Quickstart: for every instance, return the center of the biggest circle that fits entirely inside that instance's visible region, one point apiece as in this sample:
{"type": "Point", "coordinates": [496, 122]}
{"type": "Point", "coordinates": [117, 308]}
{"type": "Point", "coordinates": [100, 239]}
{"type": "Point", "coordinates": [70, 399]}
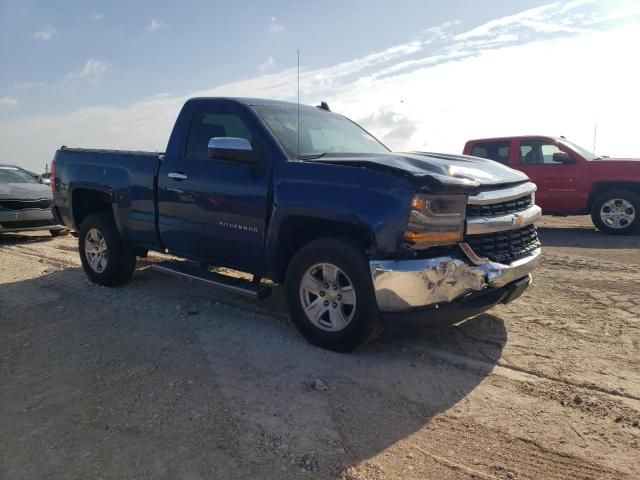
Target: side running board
{"type": "Point", "coordinates": [193, 271]}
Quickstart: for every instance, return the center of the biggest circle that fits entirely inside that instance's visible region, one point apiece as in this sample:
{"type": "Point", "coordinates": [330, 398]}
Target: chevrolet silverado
{"type": "Point", "coordinates": [303, 196]}
{"type": "Point", "coordinates": [572, 180]}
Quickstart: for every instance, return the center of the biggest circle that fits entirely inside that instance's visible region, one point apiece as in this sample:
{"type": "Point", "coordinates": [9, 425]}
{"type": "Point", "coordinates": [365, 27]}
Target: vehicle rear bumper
{"type": "Point", "coordinates": [448, 281]}
{"type": "Point", "coordinates": [26, 220]}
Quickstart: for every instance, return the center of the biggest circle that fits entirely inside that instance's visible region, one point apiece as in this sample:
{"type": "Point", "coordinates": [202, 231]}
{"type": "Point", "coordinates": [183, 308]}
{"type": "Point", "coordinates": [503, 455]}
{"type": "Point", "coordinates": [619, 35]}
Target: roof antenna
{"type": "Point", "coordinates": [595, 133]}
{"type": "Point", "coordinates": [298, 124]}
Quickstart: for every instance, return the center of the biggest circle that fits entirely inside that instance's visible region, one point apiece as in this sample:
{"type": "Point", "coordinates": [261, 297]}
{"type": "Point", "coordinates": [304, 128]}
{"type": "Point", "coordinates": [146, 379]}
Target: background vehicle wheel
{"type": "Point", "coordinates": [617, 212]}
{"type": "Point", "coordinates": [330, 295]}
{"type": "Point", "coordinates": [59, 233]}
{"type": "Point", "coordinates": [105, 259]}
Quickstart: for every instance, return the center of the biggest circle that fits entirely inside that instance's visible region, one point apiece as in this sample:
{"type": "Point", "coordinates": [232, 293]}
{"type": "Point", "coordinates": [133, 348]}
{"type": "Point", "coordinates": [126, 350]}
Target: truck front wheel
{"type": "Point", "coordinates": [617, 212]}
{"type": "Point", "coordinates": [330, 295]}
{"type": "Point", "coordinates": [105, 258]}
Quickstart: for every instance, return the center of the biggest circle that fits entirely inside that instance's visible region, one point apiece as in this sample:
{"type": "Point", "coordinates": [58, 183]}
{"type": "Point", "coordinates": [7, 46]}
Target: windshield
{"type": "Point", "coordinates": [15, 175]}
{"type": "Point", "coordinates": [583, 152]}
{"type": "Point", "coordinates": [321, 132]}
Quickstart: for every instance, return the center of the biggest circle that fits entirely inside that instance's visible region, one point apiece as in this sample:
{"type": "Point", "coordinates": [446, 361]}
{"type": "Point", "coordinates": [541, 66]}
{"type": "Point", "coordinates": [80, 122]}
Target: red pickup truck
{"type": "Point", "coordinates": [570, 179]}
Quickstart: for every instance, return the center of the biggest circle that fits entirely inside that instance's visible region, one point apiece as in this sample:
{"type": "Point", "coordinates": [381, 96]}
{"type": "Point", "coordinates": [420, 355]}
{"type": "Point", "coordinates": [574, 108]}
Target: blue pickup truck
{"type": "Point", "coordinates": [303, 196]}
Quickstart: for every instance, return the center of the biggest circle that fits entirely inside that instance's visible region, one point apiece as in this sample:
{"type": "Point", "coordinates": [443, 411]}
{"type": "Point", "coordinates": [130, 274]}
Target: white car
{"type": "Point", "coordinates": [45, 178]}
{"type": "Point", "coordinates": [25, 203]}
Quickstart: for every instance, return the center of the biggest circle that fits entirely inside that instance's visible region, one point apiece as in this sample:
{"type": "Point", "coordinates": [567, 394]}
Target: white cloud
{"type": "Point", "coordinates": [96, 16]}
{"type": "Point", "coordinates": [414, 96]}
{"type": "Point", "coordinates": [625, 13]}
{"type": "Point", "coordinates": [8, 102]}
{"type": "Point", "coordinates": [156, 26]}
{"type": "Point", "coordinates": [491, 94]}
{"type": "Point", "coordinates": [92, 69]}
{"type": "Point", "coordinates": [275, 27]}
{"type": "Point", "coordinates": [506, 37]}
{"type": "Point", "coordinates": [390, 123]}
{"type": "Point", "coordinates": [443, 29]}
{"type": "Point", "coordinates": [548, 18]}
{"type": "Point", "coordinates": [46, 33]}
{"type": "Point", "coordinates": [267, 65]}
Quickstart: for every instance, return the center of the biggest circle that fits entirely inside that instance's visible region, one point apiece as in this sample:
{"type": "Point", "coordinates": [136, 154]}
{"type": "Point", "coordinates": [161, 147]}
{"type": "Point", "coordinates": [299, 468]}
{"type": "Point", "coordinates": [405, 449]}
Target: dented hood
{"type": "Point", "coordinates": [444, 169]}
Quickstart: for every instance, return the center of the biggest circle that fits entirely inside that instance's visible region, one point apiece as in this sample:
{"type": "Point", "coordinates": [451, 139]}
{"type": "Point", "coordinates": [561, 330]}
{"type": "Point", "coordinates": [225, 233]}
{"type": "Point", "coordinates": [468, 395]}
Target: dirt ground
{"type": "Point", "coordinates": [164, 379]}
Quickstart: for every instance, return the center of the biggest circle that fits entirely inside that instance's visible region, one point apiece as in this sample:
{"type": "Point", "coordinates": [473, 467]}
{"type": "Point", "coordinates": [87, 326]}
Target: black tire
{"type": "Point", "coordinates": [120, 262]}
{"type": "Point", "coordinates": [365, 324]}
{"type": "Point", "coordinates": [59, 233]}
{"type": "Point", "coordinates": [625, 195]}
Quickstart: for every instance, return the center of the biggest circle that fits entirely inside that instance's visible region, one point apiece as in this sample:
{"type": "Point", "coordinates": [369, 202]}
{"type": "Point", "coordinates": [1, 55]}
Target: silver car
{"type": "Point", "coordinates": [25, 204]}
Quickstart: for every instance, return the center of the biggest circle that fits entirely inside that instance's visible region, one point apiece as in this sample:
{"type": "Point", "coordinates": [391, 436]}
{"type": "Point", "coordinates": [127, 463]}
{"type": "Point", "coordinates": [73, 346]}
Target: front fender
{"type": "Point", "coordinates": [364, 198]}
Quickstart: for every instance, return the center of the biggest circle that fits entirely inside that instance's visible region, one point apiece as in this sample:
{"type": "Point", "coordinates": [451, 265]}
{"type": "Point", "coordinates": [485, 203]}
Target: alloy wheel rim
{"type": "Point", "coordinates": [96, 251]}
{"type": "Point", "coordinates": [617, 213]}
{"type": "Point", "coordinates": [328, 297]}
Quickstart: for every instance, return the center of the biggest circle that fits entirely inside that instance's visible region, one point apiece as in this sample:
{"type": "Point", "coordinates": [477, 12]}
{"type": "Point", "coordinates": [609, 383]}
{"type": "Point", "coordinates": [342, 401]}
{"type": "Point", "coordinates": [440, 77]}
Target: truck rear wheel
{"type": "Point", "coordinates": [330, 295]}
{"type": "Point", "coordinates": [617, 212]}
{"type": "Point", "coordinates": [105, 258]}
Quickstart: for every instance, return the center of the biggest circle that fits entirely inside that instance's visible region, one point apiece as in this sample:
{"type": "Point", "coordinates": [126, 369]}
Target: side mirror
{"type": "Point", "coordinates": [563, 157]}
{"type": "Point", "coordinates": [233, 149]}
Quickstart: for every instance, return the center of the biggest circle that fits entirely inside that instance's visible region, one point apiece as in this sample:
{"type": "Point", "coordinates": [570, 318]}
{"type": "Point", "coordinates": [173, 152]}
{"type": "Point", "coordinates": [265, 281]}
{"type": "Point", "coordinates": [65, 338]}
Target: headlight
{"type": "Point", "coordinates": [436, 220]}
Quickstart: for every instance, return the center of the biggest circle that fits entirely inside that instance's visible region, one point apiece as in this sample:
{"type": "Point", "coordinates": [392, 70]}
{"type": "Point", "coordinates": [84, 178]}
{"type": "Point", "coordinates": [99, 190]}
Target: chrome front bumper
{"type": "Point", "coordinates": [402, 285]}
{"type": "Point", "coordinates": [480, 225]}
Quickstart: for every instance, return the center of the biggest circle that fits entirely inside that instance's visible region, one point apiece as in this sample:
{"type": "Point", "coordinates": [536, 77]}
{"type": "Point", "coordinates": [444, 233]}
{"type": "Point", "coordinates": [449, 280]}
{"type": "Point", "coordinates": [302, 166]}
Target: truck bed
{"type": "Point", "coordinates": [126, 178]}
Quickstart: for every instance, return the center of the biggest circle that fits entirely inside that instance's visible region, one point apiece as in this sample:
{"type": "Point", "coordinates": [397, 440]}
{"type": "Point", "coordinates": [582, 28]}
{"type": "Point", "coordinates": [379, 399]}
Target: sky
{"type": "Point", "coordinates": [419, 75]}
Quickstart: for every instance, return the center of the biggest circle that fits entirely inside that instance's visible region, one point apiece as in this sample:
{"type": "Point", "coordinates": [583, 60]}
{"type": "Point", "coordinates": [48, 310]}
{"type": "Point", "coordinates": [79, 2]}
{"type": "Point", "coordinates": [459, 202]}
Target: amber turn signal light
{"type": "Point", "coordinates": [433, 238]}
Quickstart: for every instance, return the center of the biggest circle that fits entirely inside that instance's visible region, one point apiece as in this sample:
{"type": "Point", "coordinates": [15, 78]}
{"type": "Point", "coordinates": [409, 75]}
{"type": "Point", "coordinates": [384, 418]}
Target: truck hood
{"type": "Point", "coordinates": [445, 169]}
{"type": "Point", "coordinates": [24, 191]}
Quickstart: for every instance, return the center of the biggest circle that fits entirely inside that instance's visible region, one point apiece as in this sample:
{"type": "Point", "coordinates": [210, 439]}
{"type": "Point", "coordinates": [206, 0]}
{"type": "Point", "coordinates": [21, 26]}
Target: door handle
{"type": "Point", "coordinates": [177, 176]}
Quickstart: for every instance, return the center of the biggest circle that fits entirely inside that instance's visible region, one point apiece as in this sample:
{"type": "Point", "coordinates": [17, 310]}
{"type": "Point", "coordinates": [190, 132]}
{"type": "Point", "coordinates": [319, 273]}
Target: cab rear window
{"type": "Point", "coordinates": [498, 151]}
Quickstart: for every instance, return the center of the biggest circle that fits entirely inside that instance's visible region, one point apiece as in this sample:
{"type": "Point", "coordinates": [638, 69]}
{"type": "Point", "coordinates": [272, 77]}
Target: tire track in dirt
{"type": "Point", "coordinates": [51, 255]}
{"type": "Point", "coordinates": [138, 295]}
{"type": "Point", "coordinates": [459, 437]}
{"type": "Point", "coordinates": [506, 369]}
{"type": "Point", "coordinates": [531, 458]}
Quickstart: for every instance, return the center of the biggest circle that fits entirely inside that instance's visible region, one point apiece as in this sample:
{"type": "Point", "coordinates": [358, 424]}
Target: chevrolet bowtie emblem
{"type": "Point", "coordinates": [518, 220]}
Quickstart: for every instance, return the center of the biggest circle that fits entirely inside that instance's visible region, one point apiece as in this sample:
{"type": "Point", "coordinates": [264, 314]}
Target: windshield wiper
{"type": "Point", "coordinates": [312, 157]}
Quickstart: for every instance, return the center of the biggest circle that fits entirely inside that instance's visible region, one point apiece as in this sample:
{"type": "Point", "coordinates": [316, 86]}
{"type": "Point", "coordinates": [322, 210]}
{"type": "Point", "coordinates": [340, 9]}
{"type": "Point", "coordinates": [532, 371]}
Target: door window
{"type": "Point", "coordinates": [207, 125]}
{"type": "Point", "coordinates": [537, 152]}
{"type": "Point", "coordinates": [498, 151]}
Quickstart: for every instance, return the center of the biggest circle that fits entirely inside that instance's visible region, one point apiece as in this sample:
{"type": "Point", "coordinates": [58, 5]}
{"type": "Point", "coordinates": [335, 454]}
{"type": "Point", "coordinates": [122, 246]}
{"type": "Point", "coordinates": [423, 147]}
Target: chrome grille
{"type": "Point", "coordinates": [26, 204]}
{"type": "Point", "coordinates": [507, 246]}
{"type": "Point", "coordinates": [501, 208]}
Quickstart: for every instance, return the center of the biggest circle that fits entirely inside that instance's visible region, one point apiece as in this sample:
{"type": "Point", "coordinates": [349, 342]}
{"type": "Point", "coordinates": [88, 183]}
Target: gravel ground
{"type": "Point", "coordinates": [165, 379]}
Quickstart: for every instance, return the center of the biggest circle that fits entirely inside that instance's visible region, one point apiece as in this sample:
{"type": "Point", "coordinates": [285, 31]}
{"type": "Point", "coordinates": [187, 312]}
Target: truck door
{"type": "Point", "coordinates": [210, 209]}
{"type": "Point", "coordinates": [558, 183]}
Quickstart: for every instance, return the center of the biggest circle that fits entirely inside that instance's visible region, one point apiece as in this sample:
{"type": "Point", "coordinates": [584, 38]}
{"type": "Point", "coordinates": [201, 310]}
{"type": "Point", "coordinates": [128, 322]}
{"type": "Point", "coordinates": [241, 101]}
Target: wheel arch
{"type": "Point", "coordinates": [601, 187]}
{"type": "Point", "coordinates": [296, 231]}
{"type": "Point", "coordinates": [85, 201]}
